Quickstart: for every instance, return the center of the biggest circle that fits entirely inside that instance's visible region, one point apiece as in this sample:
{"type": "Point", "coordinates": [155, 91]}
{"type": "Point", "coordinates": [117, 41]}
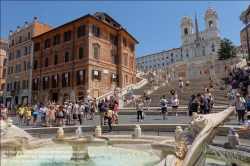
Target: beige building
{"type": "Point", "coordinates": [19, 57]}
{"type": "Point", "coordinates": [3, 61]}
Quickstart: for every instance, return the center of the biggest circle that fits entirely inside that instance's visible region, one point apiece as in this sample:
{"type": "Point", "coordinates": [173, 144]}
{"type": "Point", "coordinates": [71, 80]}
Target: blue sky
{"type": "Point", "coordinates": [156, 25]}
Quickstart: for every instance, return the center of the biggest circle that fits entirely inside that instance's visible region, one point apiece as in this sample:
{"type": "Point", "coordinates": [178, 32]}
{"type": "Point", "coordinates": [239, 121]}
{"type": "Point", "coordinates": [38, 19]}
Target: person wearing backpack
{"type": "Point", "coordinates": [164, 109]}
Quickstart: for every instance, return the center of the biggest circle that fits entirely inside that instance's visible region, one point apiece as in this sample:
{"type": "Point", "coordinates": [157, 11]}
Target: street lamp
{"type": "Point", "coordinates": [231, 57]}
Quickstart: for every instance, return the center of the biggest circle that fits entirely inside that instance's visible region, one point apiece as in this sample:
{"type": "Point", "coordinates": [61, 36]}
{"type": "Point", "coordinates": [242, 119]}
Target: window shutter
{"type": "Point", "coordinates": [93, 76]}
{"type": "Point", "coordinates": [83, 74]}
{"type": "Point", "coordinates": [23, 84]}
{"type": "Point", "coordinates": [99, 75]}
{"type": "Point", "coordinates": [111, 78]}
{"type": "Point", "coordinates": [117, 78]}
{"type": "Point", "coordinates": [98, 32]}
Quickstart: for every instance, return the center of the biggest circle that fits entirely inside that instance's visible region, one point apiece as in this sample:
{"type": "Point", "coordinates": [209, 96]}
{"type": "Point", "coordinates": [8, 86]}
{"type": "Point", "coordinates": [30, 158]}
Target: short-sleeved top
{"type": "Point", "coordinates": [174, 102]}
{"type": "Point", "coordinates": [172, 92]}
{"type": "Point", "coordinates": [81, 109]}
{"type": "Point", "coordinates": [163, 106]}
{"type": "Point", "coordinates": [28, 112]}
{"type": "Point", "coordinates": [239, 106]}
{"type": "Point", "coordinates": [43, 110]}
{"type": "Point", "coordinates": [147, 98]}
{"type": "Point", "coordinates": [205, 106]}
{"type": "Point", "coordinates": [21, 110]}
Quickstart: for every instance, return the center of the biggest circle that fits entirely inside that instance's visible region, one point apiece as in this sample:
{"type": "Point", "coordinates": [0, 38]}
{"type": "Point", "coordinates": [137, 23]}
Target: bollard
{"type": "Point", "coordinates": [60, 132]}
{"type": "Point", "coordinates": [178, 132]}
{"type": "Point", "coordinates": [98, 131]}
{"type": "Point", "coordinates": [137, 131]}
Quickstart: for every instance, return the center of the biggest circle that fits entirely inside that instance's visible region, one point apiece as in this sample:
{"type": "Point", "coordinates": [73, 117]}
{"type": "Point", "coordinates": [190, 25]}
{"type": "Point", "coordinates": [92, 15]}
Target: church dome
{"type": "Point", "coordinates": [186, 19]}
{"type": "Point", "coordinates": [210, 11]}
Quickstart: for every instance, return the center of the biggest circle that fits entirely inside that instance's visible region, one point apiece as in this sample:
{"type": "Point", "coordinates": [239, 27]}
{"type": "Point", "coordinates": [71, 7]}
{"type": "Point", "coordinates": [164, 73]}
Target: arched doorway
{"type": "Point", "coordinates": [16, 100]}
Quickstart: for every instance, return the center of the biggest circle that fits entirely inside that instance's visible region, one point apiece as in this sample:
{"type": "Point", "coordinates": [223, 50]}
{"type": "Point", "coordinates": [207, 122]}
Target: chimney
{"type": "Point", "coordinates": [26, 24]}
{"type": "Point", "coordinates": [10, 32]}
{"type": "Point", "coordinates": [35, 18]}
{"type": "Point", "coordinates": [18, 28]}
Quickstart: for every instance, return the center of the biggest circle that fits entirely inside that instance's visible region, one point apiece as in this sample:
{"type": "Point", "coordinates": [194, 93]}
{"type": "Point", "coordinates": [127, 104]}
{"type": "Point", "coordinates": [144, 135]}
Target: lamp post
{"type": "Point", "coordinates": [231, 57]}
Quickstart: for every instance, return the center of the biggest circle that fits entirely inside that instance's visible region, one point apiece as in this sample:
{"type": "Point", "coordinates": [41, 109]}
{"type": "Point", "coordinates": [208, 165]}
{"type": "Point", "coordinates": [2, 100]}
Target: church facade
{"type": "Point", "coordinates": [194, 45]}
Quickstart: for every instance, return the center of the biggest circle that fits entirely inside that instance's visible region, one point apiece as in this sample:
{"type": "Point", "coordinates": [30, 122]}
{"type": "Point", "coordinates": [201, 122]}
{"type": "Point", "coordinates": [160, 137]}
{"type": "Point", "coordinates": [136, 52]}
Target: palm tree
{"type": "Point", "coordinates": [245, 20]}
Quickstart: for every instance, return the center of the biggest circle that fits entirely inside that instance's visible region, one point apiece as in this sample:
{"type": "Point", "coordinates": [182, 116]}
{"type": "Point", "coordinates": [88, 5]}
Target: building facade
{"type": "Point", "coordinates": [3, 63]}
{"type": "Point", "coordinates": [19, 67]}
{"type": "Point", "coordinates": [92, 53]}
{"type": "Point", "coordinates": [194, 45]}
{"type": "Point", "coordinates": [243, 38]}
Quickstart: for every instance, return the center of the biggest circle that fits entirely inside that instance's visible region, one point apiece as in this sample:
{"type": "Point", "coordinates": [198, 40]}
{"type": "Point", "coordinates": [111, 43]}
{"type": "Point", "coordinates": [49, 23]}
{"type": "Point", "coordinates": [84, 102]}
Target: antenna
{"type": "Point", "coordinates": [47, 14]}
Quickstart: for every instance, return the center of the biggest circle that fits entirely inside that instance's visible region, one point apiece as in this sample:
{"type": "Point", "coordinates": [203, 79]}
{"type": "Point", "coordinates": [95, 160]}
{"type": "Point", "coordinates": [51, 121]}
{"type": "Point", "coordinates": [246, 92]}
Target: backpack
{"type": "Point", "coordinates": [163, 102]}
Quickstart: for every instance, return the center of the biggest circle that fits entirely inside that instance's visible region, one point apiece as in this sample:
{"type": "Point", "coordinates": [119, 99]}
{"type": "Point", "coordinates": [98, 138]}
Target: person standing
{"type": "Point", "coordinates": [35, 113]}
{"type": "Point", "coordinates": [147, 101]}
{"type": "Point", "coordinates": [164, 109]}
{"type": "Point", "coordinates": [102, 108]}
{"type": "Point", "coordinates": [21, 114]}
{"type": "Point", "coordinates": [202, 103]}
{"type": "Point", "coordinates": [172, 92]}
{"type": "Point", "coordinates": [169, 81]}
{"type": "Point", "coordinates": [4, 112]}
{"type": "Point", "coordinates": [239, 104]}
{"type": "Point", "coordinates": [139, 108]}
{"type": "Point", "coordinates": [175, 103]}
{"type": "Point", "coordinates": [27, 114]}
{"type": "Point", "coordinates": [80, 111]}
{"type": "Point", "coordinates": [74, 111]}
{"type": "Point", "coordinates": [193, 105]}
{"type": "Point", "coordinates": [187, 85]}
{"type": "Point", "coordinates": [181, 85]}
{"type": "Point", "coordinates": [108, 114]}
{"type": "Point", "coordinates": [43, 111]}
{"type": "Point", "coordinates": [211, 88]}
{"type": "Point", "coordinates": [133, 100]}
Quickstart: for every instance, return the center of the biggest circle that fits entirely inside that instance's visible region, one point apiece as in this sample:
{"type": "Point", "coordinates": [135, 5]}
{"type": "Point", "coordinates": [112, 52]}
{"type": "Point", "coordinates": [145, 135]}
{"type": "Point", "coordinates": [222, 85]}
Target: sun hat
{"type": "Point", "coordinates": [247, 116]}
{"type": "Point", "coordinates": [237, 94]}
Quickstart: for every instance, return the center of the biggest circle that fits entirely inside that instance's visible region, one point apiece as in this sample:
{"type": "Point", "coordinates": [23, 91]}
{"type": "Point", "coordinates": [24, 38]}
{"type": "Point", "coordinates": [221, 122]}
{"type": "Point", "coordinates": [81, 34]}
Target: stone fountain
{"type": "Point", "coordinates": [79, 145]}
{"type": "Point", "coordinates": [189, 148]}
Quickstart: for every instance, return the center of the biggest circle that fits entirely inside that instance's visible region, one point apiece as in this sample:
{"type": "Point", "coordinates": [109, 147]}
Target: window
{"type": "Point", "coordinates": [162, 64]}
{"type": "Point", "coordinates": [47, 43]}
{"type": "Point", "coordinates": [4, 73]}
{"type": "Point", "coordinates": [27, 50]}
{"type": "Point", "coordinates": [2, 86]}
{"type": "Point", "coordinates": [28, 35]}
{"type": "Point", "coordinates": [66, 57]}
{"type": "Point", "coordinates": [16, 85]}
{"type": "Point", "coordinates": [56, 59]}
{"type": "Point", "coordinates": [172, 54]}
{"type": "Point", "coordinates": [132, 64]}
{"type": "Point", "coordinates": [186, 31]}
{"type": "Point", "coordinates": [67, 36]}
{"type": "Point", "coordinates": [20, 39]}
{"type": "Point", "coordinates": [131, 47]}
{"type": "Point", "coordinates": [46, 82]}
{"type": "Point", "coordinates": [125, 61]}
{"type": "Point", "coordinates": [95, 53]}
{"type": "Point", "coordinates": [172, 60]}
{"type": "Point", "coordinates": [126, 78]}
{"type": "Point", "coordinates": [26, 65]}
{"type": "Point", "coordinates": [107, 20]}
{"type": "Point", "coordinates": [55, 79]}
{"type": "Point", "coordinates": [46, 64]}
{"type": "Point", "coordinates": [4, 62]}
{"type": "Point", "coordinates": [18, 68]}
{"type": "Point", "coordinates": [80, 53]}
{"type": "Point", "coordinates": [37, 47]}
{"type": "Point", "coordinates": [10, 70]}
{"type": "Point", "coordinates": [18, 53]}
{"type": "Point", "coordinates": [65, 79]}
{"type": "Point", "coordinates": [56, 40]}
{"type": "Point", "coordinates": [96, 75]}
{"type": "Point", "coordinates": [124, 42]}
{"type": "Point", "coordinates": [11, 56]}
{"type": "Point", "coordinates": [113, 39]}
{"type": "Point", "coordinates": [80, 77]}
{"type": "Point", "coordinates": [9, 86]}
{"type": "Point", "coordinates": [114, 59]}
{"type": "Point", "coordinates": [114, 78]}
{"type": "Point", "coordinates": [35, 84]}
{"type": "Point", "coordinates": [213, 50]}
{"type": "Point", "coordinates": [132, 79]}
{"type": "Point", "coordinates": [12, 42]}
{"type": "Point", "coordinates": [81, 31]}
{"type": "Point", "coordinates": [35, 65]}
{"type": "Point", "coordinates": [96, 31]}
{"type": "Point", "coordinates": [25, 84]}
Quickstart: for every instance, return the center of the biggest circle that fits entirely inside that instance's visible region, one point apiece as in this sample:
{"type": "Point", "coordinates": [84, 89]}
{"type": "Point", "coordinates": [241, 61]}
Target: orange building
{"type": "Point", "coordinates": [20, 54]}
{"type": "Point", "coordinates": [3, 61]}
{"type": "Point", "coordinates": [92, 53]}
{"type": "Point", "coordinates": [243, 34]}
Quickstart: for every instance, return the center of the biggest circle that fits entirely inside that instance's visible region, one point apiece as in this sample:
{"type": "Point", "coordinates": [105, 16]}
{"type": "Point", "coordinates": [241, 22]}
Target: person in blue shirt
{"type": "Point", "coordinates": [203, 103]}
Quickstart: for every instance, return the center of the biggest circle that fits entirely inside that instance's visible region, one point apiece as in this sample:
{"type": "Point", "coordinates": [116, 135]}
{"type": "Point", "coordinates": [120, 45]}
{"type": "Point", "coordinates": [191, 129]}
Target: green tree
{"type": "Point", "coordinates": [245, 20]}
{"type": "Point", "coordinates": [226, 50]}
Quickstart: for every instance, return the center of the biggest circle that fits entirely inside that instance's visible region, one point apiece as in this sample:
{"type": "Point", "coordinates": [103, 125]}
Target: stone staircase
{"type": "Point", "coordinates": [196, 85]}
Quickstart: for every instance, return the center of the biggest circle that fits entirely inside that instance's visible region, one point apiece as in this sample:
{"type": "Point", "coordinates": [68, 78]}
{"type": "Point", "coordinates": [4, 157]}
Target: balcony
{"type": "Point", "coordinates": [14, 92]}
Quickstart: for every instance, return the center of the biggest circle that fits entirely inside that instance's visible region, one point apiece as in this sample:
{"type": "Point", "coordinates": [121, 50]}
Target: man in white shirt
{"type": "Point", "coordinates": [74, 113]}
{"type": "Point", "coordinates": [239, 103]}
